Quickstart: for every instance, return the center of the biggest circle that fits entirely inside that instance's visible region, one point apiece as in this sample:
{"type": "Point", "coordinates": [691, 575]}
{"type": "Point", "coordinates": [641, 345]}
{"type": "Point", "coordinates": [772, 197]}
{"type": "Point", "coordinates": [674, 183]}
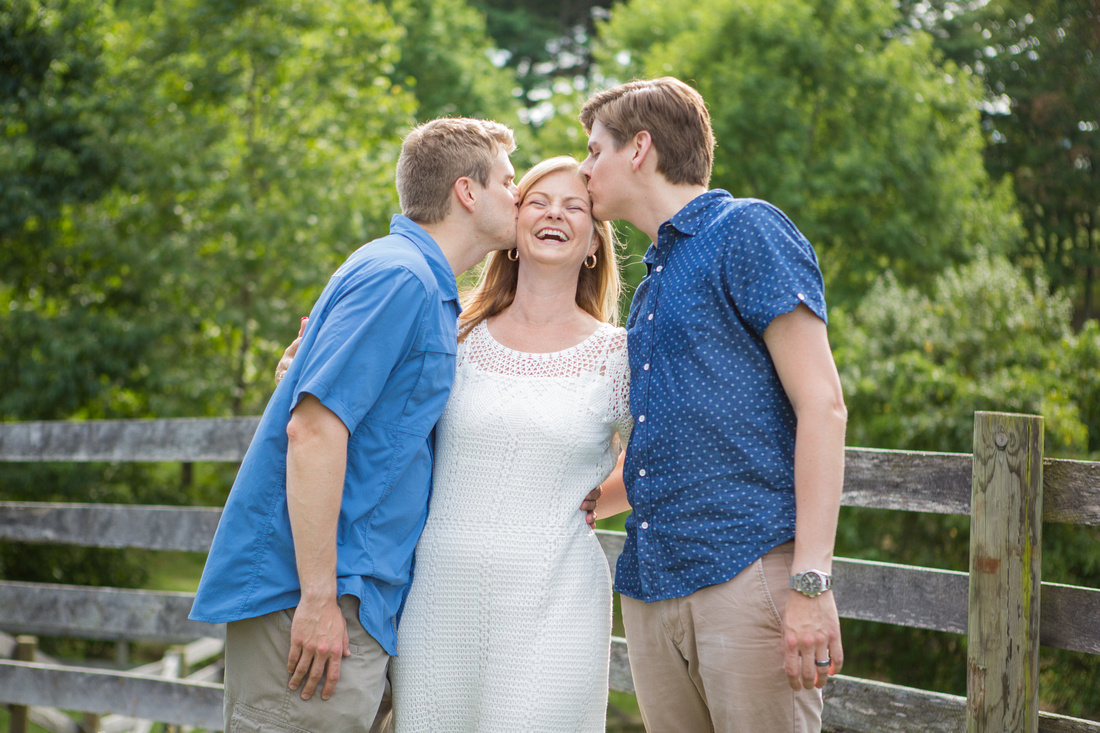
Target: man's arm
{"type": "Point", "coordinates": [315, 467]}
{"type": "Point", "coordinates": [613, 499]}
{"type": "Point", "coordinates": [799, 346]}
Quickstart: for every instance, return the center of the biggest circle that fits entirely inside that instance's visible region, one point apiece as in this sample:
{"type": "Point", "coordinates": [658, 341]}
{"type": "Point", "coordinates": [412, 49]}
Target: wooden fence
{"type": "Point", "coordinates": [1006, 486]}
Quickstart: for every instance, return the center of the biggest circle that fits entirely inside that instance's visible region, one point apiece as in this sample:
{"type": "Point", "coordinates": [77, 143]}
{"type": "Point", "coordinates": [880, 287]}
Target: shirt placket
{"type": "Point", "coordinates": [644, 480]}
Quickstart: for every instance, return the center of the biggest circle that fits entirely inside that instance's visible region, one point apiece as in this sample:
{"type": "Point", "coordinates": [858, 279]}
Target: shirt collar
{"type": "Point", "coordinates": [689, 219]}
{"type": "Point", "coordinates": [441, 268]}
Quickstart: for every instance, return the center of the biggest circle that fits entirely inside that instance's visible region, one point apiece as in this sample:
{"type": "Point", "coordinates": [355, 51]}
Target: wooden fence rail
{"type": "Point", "coordinates": [1057, 491]}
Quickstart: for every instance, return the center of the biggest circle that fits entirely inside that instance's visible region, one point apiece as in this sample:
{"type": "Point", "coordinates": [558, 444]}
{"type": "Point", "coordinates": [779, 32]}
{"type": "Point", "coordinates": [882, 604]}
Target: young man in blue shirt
{"type": "Point", "coordinates": [735, 467]}
{"type": "Point", "coordinates": [313, 554]}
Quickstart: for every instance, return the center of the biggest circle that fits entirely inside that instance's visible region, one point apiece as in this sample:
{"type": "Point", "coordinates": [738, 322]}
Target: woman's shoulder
{"type": "Point", "coordinates": [613, 335]}
{"type": "Point", "coordinates": [611, 342]}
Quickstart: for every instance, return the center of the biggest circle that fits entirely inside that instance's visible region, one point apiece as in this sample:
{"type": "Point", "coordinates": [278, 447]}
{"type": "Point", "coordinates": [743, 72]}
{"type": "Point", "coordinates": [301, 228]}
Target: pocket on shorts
{"type": "Point", "coordinates": [247, 719]}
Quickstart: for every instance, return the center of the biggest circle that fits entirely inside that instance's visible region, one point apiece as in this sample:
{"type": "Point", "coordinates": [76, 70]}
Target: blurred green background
{"type": "Point", "coordinates": [178, 179]}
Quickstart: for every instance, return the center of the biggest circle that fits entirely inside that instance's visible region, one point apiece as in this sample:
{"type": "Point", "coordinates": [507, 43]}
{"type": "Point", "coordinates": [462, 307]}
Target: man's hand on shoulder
{"type": "Point", "coordinates": [288, 355]}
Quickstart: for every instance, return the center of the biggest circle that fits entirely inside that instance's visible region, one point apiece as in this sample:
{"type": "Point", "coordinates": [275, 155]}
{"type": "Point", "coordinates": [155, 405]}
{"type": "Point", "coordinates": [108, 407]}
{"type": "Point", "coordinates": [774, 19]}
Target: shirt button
{"type": "Point", "coordinates": [641, 472]}
{"type": "Point", "coordinates": [801, 296]}
{"type": "Point", "coordinates": [641, 418]}
{"type": "Point", "coordinates": [645, 525]}
{"type": "Point", "coordinates": [660, 267]}
{"type": "Point", "coordinates": [649, 317]}
{"type": "Point", "coordinates": [645, 367]}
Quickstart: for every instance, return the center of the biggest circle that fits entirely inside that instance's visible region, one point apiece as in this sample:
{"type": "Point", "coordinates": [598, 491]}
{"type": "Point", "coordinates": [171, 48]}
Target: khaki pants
{"type": "Point", "coordinates": [257, 699]}
{"type": "Point", "coordinates": [713, 660]}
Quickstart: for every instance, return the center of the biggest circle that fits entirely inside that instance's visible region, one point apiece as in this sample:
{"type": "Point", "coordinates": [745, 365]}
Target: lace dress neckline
{"type": "Point", "coordinates": [483, 327]}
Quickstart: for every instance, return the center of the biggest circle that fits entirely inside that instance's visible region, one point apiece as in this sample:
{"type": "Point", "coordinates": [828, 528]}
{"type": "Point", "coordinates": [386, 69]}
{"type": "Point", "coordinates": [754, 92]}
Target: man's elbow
{"type": "Point", "coordinates": [827, 409]}
{"type": "Point", "coordinates": [311, 422]}
{"type": "Point", "coordinates": [839, 409]}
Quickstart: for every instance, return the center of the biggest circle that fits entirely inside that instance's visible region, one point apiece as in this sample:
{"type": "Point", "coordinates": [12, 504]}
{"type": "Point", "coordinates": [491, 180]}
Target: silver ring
{"type": "Point", "coordinates": [825, 663]}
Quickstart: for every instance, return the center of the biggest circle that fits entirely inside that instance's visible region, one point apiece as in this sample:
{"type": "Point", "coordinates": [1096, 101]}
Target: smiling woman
{"type": "Point", "coordinates": [539, 403]}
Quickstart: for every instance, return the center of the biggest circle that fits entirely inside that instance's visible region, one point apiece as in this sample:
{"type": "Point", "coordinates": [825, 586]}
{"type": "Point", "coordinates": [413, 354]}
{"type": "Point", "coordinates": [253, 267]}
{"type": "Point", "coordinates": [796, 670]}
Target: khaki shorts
{"type": "Point", "coordinates": [713, 660]}
{"type": "Point", "coordinates": [257, 699]}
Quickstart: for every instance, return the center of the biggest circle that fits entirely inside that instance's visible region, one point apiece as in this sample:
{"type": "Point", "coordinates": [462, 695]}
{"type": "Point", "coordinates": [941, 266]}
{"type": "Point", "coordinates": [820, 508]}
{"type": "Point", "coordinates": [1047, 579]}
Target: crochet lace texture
{"type": "Point", "coordinates": [508, 621]}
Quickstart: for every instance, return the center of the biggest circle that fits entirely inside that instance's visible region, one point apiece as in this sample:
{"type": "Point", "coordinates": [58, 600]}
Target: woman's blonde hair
{"type": "Point", "coordinates": [597, 288]}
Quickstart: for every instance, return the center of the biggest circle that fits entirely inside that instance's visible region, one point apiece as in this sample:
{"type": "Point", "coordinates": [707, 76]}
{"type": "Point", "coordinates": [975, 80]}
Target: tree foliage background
{"type": "Point", "coordinates": [178, 179]}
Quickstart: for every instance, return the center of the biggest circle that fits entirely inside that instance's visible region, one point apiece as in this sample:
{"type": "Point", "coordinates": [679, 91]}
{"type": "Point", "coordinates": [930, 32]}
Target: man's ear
{"type": "Point", "coordinates": [642, 146]}
{"type": "Point", "coordinates": [464, 193]}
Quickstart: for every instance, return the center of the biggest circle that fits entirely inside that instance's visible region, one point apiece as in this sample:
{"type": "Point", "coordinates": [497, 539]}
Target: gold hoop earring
{"type": "Point", "coordinates": [590, 257]}
{"type": "Point", "coordinates": [513, 254]}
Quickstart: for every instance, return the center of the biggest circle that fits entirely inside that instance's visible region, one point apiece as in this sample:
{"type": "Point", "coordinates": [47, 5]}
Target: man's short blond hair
{"type": "Point", "coordinates": [674, 115]}
{"type": "Point", "coordinates": [438, 153]}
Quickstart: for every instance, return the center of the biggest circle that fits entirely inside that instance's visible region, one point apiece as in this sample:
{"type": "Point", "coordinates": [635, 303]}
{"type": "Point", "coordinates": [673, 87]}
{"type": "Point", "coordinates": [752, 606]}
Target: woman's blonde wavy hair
{"type": "Point", "coordinates": [597, 288]}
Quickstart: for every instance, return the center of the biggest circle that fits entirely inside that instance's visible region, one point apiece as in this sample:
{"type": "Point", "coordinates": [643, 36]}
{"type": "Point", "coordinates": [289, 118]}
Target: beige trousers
{"type": "Point", "coordinates": [713, 660]}
{"type": "Point", "coordinates": [257, 699]}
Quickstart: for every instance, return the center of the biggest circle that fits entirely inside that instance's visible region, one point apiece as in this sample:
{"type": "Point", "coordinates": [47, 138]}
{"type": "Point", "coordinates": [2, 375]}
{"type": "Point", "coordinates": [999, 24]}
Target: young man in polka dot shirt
{"type": "Point", "coordinates": [735, 467]}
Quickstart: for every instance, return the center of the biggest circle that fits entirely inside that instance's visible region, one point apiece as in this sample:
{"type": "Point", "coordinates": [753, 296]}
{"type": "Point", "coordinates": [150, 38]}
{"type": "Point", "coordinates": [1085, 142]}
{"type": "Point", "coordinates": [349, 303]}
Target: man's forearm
{"type": "Point", "coordinates": [819, 482]}
{"type": "Point", "coordinates": [316, 463]}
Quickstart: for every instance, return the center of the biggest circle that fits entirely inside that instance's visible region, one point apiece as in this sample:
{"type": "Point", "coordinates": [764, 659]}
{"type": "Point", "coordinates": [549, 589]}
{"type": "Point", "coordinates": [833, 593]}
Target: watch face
{"type": "Point", "coordinates": [811, 583]}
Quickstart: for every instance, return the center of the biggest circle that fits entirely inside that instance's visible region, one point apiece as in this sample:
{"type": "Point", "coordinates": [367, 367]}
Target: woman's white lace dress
{"type": "Point", "coordinates": [508, 622]}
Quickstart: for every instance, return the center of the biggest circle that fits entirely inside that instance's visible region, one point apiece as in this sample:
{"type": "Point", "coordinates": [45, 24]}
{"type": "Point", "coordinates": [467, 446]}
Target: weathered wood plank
{"type": "Point", "coordinates": [100, 613]}
{"type": "Point", "coordinates": [887, 479]}
{"type": "Point", "coordinates": [1068, 618]}
{"type": "Point", "coordinates": [1051, 723]}
{"type": "Point", "coordinates": [179, 439]}
{"type": "Point", "coordinates": [1006, 522]}
{"type": "Point", "coordinates": [907, 480]}
{"type": "Point", "coordinates": [95, 691]}
{"type": "Point", "coordinates": [923, 598]}
{"type": "Point", "coordinates": [1071, 491]}
{"type": "Point", "coordinates": [189, 529]}
{"type": "Point", "coordinates": [854, 705]}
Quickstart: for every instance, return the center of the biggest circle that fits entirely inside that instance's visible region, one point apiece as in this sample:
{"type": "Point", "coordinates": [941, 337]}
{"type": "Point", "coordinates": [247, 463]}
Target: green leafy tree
{"type": "Point", "coordinates": [868, 140]}
{"type": "Point", "coordinates": [1040, 66]}
{"type": "Point", "coordinates": [917, 366]}
{"type": "Point", "coordinates": [270, 138]}
{"type": "Point", "coordinates": [62, 343]}
{"type": "Point", "coordinates": [544, 43]}
{"type": "Point", "coordinates": [445, 57]}
{"type": "Point", "coordinates": [1043, 59]}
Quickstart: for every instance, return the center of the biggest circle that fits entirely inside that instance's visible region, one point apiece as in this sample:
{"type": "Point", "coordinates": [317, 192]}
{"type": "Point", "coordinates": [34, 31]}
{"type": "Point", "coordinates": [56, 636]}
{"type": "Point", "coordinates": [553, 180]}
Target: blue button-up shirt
{"type": "Point", "coordinates": [379, 351]}
{"type": "Point", "coordinates": [710, 465]}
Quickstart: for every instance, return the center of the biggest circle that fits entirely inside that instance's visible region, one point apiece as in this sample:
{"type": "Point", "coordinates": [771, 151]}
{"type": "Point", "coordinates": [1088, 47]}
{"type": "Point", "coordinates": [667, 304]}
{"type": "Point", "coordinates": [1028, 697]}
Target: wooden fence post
{"type": "Point", "coordinates": [25, 647]}
{"type": "Point", "coordinates": [1002, 681]}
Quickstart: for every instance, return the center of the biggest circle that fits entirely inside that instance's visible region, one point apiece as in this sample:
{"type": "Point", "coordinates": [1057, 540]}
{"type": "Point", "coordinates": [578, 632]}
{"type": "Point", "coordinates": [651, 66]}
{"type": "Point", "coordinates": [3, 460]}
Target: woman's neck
{"type": "Point", "coordinates": [544, 317]}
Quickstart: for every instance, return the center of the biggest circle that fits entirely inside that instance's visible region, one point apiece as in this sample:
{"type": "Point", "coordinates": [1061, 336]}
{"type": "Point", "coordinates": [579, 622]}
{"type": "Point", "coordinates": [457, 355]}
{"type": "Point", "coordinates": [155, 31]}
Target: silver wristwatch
{"type": "Point", "coordinates": [811, 583]}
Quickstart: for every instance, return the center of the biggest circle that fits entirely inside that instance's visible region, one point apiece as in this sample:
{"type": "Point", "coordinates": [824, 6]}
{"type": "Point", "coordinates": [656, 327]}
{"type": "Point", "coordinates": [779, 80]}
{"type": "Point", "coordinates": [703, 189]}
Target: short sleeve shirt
{"type": "Point", "coordinates": [709, 468]}
{"type": "Point", "coordinates": [379, 352]}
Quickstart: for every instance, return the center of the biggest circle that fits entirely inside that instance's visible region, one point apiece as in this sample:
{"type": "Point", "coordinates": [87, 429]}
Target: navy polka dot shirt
{"type": "Point", "coordinates": [710, 465]}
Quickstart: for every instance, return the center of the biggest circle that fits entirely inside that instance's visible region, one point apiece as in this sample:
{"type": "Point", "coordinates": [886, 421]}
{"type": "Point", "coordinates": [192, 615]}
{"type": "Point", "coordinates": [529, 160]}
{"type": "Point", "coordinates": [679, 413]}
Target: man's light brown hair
{"type": "Point", "coordinates": [438, 153]}
{"type": "Point", "coordinates": [674, 115]}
